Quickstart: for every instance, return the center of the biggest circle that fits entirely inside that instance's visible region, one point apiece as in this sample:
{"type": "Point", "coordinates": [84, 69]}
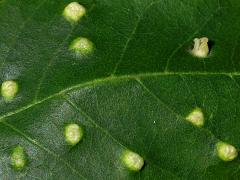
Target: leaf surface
{"type": "Point", "coordinates": [133, 92]}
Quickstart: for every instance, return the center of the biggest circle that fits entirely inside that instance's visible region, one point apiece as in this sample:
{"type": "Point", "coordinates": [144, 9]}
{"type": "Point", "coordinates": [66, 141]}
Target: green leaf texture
{"type": "Point", "coordinates": [133, 92]}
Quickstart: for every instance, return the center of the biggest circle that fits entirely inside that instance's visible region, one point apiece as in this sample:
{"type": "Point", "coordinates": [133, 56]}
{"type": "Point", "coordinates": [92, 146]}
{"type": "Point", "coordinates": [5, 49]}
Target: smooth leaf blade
{"type": "Point", "coordinates": [133, 92]}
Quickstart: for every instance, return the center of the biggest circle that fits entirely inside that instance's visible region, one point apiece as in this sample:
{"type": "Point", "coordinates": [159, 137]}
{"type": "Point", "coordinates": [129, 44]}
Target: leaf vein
{"type": "Point", "coordinates": [105, 131]}
{"type": "Point", "coordinates": [55, 55]}
{"type": "Point", "coordinates": [37, 144]}
{"type": "Point", "coordinates": [131, 36]}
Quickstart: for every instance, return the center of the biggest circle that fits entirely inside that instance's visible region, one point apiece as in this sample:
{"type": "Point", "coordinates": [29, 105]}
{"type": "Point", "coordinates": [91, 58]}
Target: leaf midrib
{"type": "Point", "coordinates": [118, 78]}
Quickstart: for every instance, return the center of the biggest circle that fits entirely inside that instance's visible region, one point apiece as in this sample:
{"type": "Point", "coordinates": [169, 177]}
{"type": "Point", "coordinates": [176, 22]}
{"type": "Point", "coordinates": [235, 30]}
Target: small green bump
{"type": "Point", "coordinates": [9, 89]}
{"type": "Point", "coordinates": [196, 117]}
{"type": "Point", "coordinates": [73, 133]}
{"type": "Point", "coordinates": [200, 48]}
{"type": "Point", "coordinates": [73, 12]}
{"type": "Point", "coordinates": [18, 158]}
{"type": "Point", "coordinates": [82, 46]}
{"type": "Point", "coordinates": [132, 160]}
{"type": "Point", "coordinates": [226, 152]}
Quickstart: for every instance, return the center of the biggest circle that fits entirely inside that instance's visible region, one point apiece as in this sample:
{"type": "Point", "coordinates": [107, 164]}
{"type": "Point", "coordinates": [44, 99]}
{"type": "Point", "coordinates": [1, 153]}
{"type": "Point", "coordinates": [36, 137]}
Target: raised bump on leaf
{"type": "Point", "coordinates": [73, 133]}
{"type": "Point", "coordinates": [200, 48]}
{"type": "Point", "coordinates": [9, 89]}
{"type": "Point", "coordinates": [132, 160]}
{"type": "Point", "coordinates": [196, 117]}
{"type": "Point", "coordinates": [18, 158]}
{"type": "Point", "coordinates": [73, 12]}
{"type": "Point", "coordinates": [82, 46]}
{"type": "Point", "coordinates": [226, 152]}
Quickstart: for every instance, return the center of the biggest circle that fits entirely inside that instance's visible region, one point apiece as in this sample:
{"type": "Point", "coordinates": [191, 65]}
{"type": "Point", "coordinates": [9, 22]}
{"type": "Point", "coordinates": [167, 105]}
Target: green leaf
{"type": "Point", "coordinates": [121, 71]}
